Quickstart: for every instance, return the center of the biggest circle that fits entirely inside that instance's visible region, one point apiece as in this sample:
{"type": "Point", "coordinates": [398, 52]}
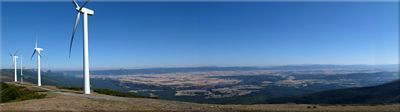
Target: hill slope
{"type": "Point", "coordinates": [60, 100]}
{"type": "Point", "coordinates": [385, 93]}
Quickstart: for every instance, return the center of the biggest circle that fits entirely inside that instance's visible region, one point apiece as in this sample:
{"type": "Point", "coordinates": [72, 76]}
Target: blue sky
{"type": "Point", "coordinates": [179, 34]}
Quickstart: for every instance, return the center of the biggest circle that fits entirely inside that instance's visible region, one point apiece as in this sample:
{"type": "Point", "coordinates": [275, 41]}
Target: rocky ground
{"type": "Point", "coordinates": [63, 100]}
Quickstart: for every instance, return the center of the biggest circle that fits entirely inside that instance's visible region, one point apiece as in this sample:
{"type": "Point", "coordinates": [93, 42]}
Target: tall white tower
{"type": "Point", "coordinates": [86, 12]}
{"type": "Point", "coordinates": [15, 68]}
{"type": "Point", "coordinates": [22, 80]}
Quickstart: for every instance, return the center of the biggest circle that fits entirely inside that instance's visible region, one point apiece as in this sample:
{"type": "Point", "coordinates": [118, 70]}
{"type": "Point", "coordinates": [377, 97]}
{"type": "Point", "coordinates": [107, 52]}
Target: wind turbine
{"type": "Point", "coordinates": [37, 51]}
{"type": "Point", "coordinates": [14, 58]}
{"type": "Point", "coordinates": [85, 11]}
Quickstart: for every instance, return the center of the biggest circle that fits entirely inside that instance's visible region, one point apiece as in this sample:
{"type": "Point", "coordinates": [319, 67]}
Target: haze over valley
{"type": "Point", "coordinates": [232, 85]}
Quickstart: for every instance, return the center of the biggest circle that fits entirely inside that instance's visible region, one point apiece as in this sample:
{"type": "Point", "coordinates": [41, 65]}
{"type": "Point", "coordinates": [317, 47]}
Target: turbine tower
{"type": "Point", "coordinates": [22, 80]}
{"type": "Point", "coordinates": [85, 11]}
{"type": "Point", "coordinates": [37, 51]}
{"type": "Point", "coordinates": [14, 58]}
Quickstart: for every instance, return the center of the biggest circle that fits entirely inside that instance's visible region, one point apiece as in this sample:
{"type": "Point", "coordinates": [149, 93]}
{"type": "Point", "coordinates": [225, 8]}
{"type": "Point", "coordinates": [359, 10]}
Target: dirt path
{"type": "Point", "coordinates": [60, 100]}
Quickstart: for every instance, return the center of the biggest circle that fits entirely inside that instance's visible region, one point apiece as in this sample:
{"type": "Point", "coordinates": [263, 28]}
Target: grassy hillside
{"type": "Point", "coordinates": [108, 92]}
{"type": "Point", "coordinates": [59, 79]}
{"type": "Point", "coordinates": [10, 93]}
{"type": "Point", "coordinates": [385, 93]}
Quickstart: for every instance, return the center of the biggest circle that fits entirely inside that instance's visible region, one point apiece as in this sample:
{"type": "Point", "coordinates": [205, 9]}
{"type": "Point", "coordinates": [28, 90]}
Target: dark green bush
{"type": "Point", "coordinates": [15, 93]}
{"type": "Point", "coordinates": [70, 88]}
{"type": "Point", "coordinates": [117, 93]}
{"type": "Point", "coordinates": [107, 92]}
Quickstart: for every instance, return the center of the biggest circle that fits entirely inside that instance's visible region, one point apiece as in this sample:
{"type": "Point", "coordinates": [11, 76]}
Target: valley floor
{"type": "Point", "coordinates": [57, 100]}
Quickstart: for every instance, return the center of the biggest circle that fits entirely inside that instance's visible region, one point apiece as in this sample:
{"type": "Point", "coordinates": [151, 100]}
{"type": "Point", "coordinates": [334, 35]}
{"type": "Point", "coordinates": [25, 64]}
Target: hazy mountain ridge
{"type": "Point", "coordinates": [385, 93]}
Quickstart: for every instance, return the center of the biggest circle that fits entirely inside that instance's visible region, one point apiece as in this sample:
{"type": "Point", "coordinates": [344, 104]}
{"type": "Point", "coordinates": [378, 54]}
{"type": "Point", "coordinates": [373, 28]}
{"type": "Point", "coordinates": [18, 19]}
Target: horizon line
{"type": "Point", "coordinates": [130, 68]}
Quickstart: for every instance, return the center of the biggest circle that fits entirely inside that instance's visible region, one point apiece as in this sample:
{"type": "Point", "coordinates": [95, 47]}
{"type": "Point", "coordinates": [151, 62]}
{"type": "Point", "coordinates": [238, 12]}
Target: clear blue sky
{"type": "Point", "coordinates": [170, 34]}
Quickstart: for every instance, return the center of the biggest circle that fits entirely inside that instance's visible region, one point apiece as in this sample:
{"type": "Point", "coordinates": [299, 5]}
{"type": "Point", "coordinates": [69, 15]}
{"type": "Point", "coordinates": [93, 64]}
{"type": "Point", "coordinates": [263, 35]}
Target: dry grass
{"type": "Point", "coordinates": [57, 102]}
{"type": "Point", "coordinates": [98, 102]}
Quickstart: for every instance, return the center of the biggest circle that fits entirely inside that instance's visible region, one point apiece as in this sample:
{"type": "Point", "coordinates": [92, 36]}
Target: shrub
{"type": "Point", "coordinates": [70, 88]}
{"type": "Point", "coordinates": [10, 93]}
{"type": "Point", "coordinates": [107, 92]}
{"type": "Point", "coordinates": [120, 94]}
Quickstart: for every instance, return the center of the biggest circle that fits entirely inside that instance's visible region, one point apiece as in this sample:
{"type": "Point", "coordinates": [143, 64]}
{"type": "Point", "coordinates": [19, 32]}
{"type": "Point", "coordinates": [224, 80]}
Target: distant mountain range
{"type": "Point", "coordinates": [385, 93]}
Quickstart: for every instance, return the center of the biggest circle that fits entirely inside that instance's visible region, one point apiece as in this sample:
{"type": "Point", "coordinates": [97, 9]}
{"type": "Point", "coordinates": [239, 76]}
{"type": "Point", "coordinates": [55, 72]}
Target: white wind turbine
{"type": "Point", "coordinates": [14, 58]}
{"type": "Point", "coordinates": [37, 51]}
{"type": "Point", "coordinates": [85, 11]}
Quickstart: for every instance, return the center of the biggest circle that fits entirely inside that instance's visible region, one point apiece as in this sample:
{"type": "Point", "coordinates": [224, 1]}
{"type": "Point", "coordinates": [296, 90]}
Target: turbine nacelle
{"type": "Point", "coordinates": [85, 10]}
{"type": "Point", "coordinates": [14, 56]}
{"type": "Point", "coordinates": [38, 49]}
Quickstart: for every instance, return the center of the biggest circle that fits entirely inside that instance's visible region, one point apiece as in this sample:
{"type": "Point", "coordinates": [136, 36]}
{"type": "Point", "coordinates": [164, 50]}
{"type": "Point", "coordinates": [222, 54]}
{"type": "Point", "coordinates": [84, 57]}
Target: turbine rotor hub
{"type": "Point", "coordinates": [85, 10]}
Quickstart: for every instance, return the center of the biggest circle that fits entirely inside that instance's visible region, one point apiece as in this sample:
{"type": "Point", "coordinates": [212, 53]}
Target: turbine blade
{"type": "Point", "coordinates": [76, 4]}
{"type": "Point", "coordinates": [33, 53]}
{"type": "Point", "coordinates": [36, 40]}
{"type": "Point", "coordinates": [12, 58]}
{"type": "Point", "coordinates": [40, 55]}
{"type": "Point", "coordinates": [84, 4]}
{"type": "Point", "coordinates": [73, 33]}
{"type": "Point", "coordinates": [16, 52]}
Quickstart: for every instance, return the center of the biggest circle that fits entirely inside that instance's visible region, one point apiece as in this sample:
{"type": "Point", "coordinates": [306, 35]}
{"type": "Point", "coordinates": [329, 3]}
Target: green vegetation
{"type": "Point", "coordinates": [108, 92]}
{"type": "Point", "coordinates": [120, 94]}
{"type": "Point", "coordinates": [15, 93]}
{"type": "Point", "coordinates": [372, 95]}
{"type": "Point", "coordinates": [70, 88]}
